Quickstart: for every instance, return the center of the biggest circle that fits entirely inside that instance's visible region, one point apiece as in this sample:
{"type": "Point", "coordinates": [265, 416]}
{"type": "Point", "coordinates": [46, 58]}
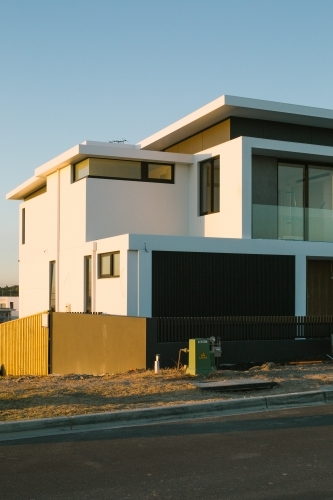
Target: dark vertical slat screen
{"type": "Point", "coordinates": [197, 284]}
{"type": "Point", "coordinates": [242, 328]}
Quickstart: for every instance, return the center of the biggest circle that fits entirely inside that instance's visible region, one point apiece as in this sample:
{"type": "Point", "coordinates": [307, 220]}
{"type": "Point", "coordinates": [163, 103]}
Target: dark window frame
{"type": "Point", "coordinates": [23, 226]}
{"type": "Point", "coordinates": [111, 275]}
{"type": "Point", "coordinates": [88, 283]}
{"type": "Point", "coordinates": [145, 177]}
{"type": "Point", "coordinates": [306, 164]}
{"type": "Point", "coordinates": [144, 173]}
{"type": "Point", "coordinates": [52, 285]}
{"type": "Point", "coordinates": [201, 170]}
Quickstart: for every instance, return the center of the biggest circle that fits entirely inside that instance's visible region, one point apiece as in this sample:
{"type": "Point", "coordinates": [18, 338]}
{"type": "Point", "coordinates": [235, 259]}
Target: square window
{"type": "Point", "coordinates": [109, 265]}
{"type": "Point", "coordinates": [160, 172]}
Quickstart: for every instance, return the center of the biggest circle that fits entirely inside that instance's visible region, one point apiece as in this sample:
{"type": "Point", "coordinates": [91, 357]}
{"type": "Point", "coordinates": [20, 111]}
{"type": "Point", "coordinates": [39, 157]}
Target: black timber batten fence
{"type": "Point", "coordinates": [241, 328]}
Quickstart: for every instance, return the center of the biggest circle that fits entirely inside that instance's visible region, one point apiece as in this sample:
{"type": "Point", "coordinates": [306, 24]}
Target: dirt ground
{"type": "Point", "coordinates": [54, 395]}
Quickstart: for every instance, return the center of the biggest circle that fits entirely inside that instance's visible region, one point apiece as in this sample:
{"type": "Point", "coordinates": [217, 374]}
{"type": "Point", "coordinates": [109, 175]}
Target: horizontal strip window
{"type": "Point", "coordinates": [109, 265]}
{"type": "Point", "coordinates": [124, 170]}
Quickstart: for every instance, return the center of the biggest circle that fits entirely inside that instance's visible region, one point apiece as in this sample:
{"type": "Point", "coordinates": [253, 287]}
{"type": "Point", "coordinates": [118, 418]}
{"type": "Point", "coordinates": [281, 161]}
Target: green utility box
{"type": "Point", "coordinates": [201, 361]}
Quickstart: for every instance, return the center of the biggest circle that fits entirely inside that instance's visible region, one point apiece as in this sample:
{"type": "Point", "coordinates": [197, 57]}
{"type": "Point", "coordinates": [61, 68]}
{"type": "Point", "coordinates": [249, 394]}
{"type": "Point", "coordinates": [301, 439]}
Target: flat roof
{"type": "Point", "coordinates": [151, 148]}
{"type": "Point", "coordinates": [226, 106]}
{"type": "Point", "coordinates": [92, 149]}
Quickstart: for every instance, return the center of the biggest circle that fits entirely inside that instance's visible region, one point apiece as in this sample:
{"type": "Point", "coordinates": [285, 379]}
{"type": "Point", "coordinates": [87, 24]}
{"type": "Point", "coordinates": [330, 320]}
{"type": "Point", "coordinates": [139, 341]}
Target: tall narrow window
{"type": "Point", "coordinates": [52, 286]}
{"type": "Point", "coordinates": [87, 283]}
{"type": "Point", "coordinates": [210, 186]}
{"type": "Point", "coordinates": [23, 226]}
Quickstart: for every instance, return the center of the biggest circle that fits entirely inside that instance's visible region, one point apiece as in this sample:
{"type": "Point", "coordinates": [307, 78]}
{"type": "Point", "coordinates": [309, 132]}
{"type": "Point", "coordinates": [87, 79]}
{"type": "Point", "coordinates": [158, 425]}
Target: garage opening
{"type": "Point", "coordinates": [222, 284]}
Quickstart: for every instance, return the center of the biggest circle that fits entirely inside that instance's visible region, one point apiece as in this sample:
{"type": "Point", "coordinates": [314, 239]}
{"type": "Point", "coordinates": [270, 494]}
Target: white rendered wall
{"type": "Point", "coordinates": [119, 207]}
{"type": "Point", "coordinates": [72, 242]}
{"type": "Point", "coordinates": [44, 214]}
{"type": "Point", "coordinates": [111, 293]}
{"type": "Point", "coordinates": [228, 222]}
{"type": "Point", "coordinates": [39, 249]}
{"type": "Point", "coordinates": [72, 210]}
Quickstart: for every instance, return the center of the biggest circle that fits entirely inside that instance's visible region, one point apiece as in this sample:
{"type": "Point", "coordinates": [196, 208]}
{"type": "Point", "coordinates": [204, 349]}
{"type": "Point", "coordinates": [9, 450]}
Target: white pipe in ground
{"type": "Point", "coordinates": [157, 363]}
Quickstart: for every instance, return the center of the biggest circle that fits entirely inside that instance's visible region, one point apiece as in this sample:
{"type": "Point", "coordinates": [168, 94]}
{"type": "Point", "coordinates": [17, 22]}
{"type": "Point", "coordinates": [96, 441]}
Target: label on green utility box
{"type": "Point", "coordinates": [203, 355]}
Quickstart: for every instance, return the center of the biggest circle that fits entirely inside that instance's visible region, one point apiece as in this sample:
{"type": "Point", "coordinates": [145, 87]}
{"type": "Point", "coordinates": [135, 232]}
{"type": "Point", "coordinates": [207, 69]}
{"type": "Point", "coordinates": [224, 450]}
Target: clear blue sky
{"type": "Point", "coordinates": [109, 69]}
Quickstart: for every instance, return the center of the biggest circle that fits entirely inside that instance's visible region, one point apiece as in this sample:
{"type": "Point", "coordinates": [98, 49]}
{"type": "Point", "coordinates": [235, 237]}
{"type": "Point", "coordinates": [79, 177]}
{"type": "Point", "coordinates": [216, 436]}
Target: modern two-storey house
{"type": "Point", "coordinates": [226, 212]}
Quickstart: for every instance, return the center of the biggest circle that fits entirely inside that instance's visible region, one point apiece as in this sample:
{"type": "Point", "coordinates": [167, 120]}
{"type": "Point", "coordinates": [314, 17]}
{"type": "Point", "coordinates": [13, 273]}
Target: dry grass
{"type": "Point", "coordinates": [40, 397]}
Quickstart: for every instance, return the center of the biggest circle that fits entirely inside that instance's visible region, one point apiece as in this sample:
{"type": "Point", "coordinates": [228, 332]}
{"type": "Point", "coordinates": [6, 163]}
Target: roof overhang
{"type": "Point", "coordinates": [226, 106]}
{"type": "Point", "coordinates": [87, 150]}
{"type": "Point", "coordinates": [26, 188]}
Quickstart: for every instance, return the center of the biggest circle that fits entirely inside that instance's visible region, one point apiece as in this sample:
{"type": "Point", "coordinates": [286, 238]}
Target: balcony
{"type": "Point", "coordinates": [292, 223]}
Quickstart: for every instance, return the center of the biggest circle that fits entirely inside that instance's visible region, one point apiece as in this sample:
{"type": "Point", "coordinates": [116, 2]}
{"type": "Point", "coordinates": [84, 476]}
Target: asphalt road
{"type": "Point", "coordinates": [286, 454]}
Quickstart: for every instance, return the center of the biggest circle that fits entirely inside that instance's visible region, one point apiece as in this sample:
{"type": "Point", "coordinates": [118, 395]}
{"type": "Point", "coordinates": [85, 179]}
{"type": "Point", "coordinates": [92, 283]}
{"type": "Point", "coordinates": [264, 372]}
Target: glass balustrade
{"type": "Point", "coordinates": [320, 224]}
{"type": "Point", "coordinates": [292, 223]}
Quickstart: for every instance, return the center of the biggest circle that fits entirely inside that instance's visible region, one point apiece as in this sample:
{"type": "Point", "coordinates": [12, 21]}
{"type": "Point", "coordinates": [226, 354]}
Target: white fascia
{"type": "Point", "coordinates": [93, 149]}
{"type": "Point", "coordinates": [288, 150]}
{"type": "Point", "coordinates": [149, 243]}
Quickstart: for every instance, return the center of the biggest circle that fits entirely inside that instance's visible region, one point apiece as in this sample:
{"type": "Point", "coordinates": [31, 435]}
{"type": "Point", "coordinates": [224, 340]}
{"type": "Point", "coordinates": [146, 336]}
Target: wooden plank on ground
{"type": "Point", "coordinates": [235, 385]}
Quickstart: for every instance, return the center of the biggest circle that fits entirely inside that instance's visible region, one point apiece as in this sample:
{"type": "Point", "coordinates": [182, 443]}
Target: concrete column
{"type": "Point", "coordinates": [57, 265]}
{"type": "Point", "coordinates": [93, 276]}
{"type": "Point", "coordinates": [246, 190]}
{"type": "Point", "coordinates": [132, 283]}
{"type": "Point", "coordinates": [300, 285]}
{"type": "Point", "coordinates": [145, 282]}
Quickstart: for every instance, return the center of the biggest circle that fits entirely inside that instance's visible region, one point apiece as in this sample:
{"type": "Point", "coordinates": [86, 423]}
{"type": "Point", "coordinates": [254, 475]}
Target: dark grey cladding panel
{"type": "Point", "coordinates": [280, 131]}
{"type": "Point", "coordinates": [322, 136]}
{"type": "Point", "coordinates": [246, 127]}
{"type": "Point", "coordinates": [264, 180]}
{"type": "Point", "coordinates": [287, 132]}
{"type": "Point", "coordinates": [216, 284]}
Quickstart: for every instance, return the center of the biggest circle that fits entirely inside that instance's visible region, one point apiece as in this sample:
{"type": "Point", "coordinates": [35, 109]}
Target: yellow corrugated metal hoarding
{"type": "Point", "coordinates": [24, 346]}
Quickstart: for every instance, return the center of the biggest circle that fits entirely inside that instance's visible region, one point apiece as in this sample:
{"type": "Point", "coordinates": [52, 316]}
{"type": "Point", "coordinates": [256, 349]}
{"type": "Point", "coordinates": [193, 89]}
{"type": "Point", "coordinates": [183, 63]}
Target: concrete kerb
{"type": "Point", "coordinates": [295, 399]}
{"type": "Point", "coordinates": [148, 415]}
